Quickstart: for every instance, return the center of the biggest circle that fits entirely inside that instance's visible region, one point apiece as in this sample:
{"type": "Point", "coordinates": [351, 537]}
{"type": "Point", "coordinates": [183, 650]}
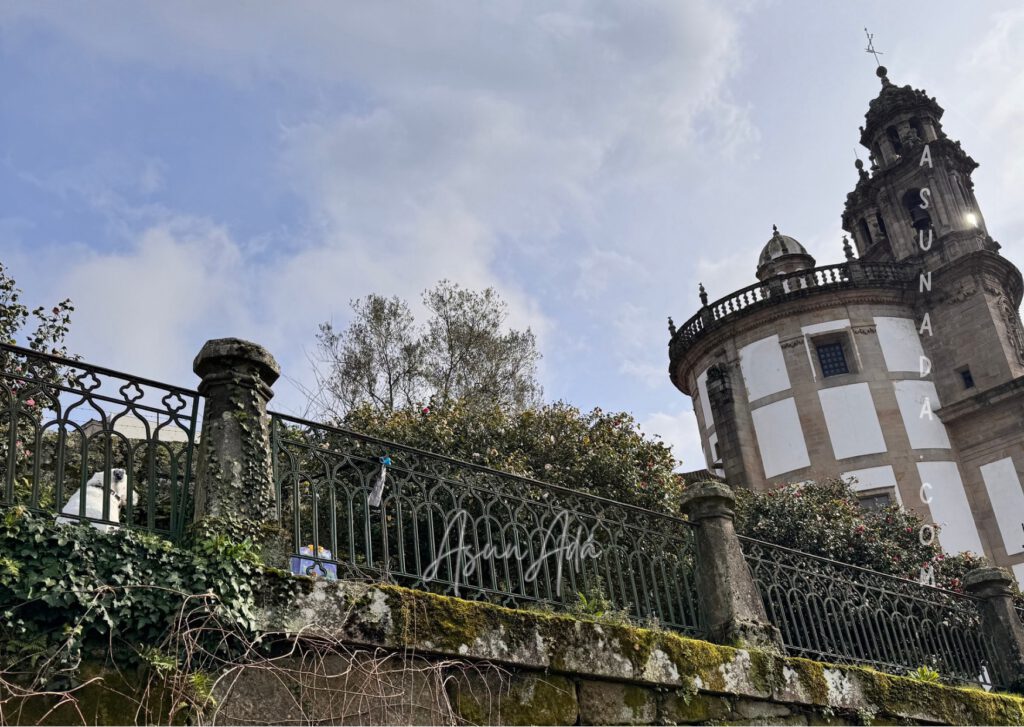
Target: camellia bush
{"type": "Point", "coordinates": [825, 519]}
{"type": "Point", "coordinates": [598, 452]}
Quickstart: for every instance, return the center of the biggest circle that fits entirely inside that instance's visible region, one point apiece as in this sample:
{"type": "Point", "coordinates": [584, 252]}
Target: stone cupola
{"type": "Point", "coordinates": [782, 254]}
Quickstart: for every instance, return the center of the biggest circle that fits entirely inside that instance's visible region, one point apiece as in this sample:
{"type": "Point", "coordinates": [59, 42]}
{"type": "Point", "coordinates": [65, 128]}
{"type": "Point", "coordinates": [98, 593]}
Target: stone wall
{"type": "Point", "coordinates": [354, 653]}
{"type": "Point", "coordinates": [443, 659]}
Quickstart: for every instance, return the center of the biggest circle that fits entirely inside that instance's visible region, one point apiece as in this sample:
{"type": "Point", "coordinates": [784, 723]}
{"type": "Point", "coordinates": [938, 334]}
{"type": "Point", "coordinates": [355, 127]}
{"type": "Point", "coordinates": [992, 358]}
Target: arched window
{"type": "Point", "coordinates": [881, 224]}
{"type": "Point", "coordinates": [894, 139]}
{"type": "Point", "coordinates": [865, 233]}
{"type": "Point", "coordinates": [919, 216]}
{"type": "Point", "coordinates": [915, 124]}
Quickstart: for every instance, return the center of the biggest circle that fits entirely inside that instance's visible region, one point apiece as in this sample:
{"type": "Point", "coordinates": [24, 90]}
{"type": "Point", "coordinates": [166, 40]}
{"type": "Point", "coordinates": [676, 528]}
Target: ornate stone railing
{"type": "Point", "coordinates": [854, 274]}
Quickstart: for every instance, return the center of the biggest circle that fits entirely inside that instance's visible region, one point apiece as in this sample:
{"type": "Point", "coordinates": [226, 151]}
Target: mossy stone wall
{"type": "Point", "coordinates": [407, 657]}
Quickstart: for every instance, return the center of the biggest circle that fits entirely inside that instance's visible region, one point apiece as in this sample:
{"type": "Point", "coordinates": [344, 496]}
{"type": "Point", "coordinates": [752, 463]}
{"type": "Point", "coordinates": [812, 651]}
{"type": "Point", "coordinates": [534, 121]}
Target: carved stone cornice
{"type": "Point", "coordinates": [983, 402]}
{"type": "Point", "coordinates": [986, 270]}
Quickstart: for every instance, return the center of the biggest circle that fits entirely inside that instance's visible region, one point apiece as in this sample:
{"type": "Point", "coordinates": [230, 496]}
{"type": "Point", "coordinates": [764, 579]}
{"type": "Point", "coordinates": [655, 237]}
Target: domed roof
{"type": "Point", "coordinates": [782, 254]}
{"type": "Point", "coordinates": [778, 246]}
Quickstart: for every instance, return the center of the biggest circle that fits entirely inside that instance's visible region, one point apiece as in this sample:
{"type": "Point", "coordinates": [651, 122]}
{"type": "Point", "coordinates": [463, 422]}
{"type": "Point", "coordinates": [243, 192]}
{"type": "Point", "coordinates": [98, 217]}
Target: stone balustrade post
{"type": "Point", "coordinates": [856, 272]}
{"type": "Point", "coordinates": [234, 478]}
{"type": "Point", "coordinates": [1000, 623]}
{"type": "Point", "coordinates": [729, 598]}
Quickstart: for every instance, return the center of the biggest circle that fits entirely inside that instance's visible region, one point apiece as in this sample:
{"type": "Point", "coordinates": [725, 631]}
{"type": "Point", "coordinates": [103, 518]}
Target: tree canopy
{"type": "Point", "coordinates": [388, 361]}
{"type": "Point", "coordinates": [602, 453]}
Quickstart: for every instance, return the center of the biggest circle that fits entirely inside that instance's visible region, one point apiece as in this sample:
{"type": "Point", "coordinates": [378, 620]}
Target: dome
{"type": "Point", "coordinates": [782, 254]}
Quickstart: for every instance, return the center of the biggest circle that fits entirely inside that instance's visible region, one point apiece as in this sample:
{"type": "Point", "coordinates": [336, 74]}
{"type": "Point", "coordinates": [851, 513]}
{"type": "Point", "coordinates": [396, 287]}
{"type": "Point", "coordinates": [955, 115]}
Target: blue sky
{"type": "Point", "coordinates": [193, 170]}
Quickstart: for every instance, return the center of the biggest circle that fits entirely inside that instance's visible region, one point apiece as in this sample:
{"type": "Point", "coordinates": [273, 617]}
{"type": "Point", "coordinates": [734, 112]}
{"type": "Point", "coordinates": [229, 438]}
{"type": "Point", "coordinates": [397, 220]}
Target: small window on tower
{"type": "Point", "coordinates": [965, 376]}
{"type": "Point", "coordinates": [874, 501]}
{"type": "Point", "coordinates": [881, 224]}
{"type": "Point", "coordinates": [865, 233]}
{"type": "Point", "coordinates": [894, 139]}
{"type": "Point", "coordinates": [832, 359]}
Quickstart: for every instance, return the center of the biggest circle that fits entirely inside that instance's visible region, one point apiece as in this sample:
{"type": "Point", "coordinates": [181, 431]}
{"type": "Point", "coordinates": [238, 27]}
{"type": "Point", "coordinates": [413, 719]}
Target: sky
{"type": "Point", "coordinates": [192, 170]}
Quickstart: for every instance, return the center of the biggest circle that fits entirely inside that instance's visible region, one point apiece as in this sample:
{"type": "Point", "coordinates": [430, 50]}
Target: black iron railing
{"type": "Point", "coordinates": [68, 429]}
{"type": "Point", "coordinates": [830, 611]}
{"type": "Point", "coordinates": [456, 528]}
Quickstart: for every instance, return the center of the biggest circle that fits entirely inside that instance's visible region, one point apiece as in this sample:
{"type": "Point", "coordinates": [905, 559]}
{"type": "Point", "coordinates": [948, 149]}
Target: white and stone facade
{"type": "Point", "coordinates": [901, 369]}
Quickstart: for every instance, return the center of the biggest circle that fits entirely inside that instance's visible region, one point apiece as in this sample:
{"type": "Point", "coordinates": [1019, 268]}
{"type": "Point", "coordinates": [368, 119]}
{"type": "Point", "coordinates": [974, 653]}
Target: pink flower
{"type": "Point", "coordinates": [426, 410]}
{"type": "Point", "coordinates": [30, 402]}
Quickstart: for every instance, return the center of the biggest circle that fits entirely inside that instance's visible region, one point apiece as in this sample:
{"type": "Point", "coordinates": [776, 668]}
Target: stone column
{"type": "Point", "coordinates": [723, 413]}
{"type": "Point", "coordinates": [234, 478]}
{"type": "Point", "coordinates": [729, 597]}
{"type": "Point", "coordinates": [1000, 622]}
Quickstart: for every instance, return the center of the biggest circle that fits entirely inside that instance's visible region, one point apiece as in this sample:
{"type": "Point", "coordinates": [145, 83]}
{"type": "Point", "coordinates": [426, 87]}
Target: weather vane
{"type": "Point", "coordinates": [871, 47]}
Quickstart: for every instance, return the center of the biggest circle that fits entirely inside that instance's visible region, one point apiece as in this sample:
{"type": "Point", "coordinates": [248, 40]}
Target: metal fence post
{"type": "Point", "coordinates": [234, 479]}
{"type": "Point", "coordinates": [999, 621]}
{"type": "Point", "coordinates": [732, 605]}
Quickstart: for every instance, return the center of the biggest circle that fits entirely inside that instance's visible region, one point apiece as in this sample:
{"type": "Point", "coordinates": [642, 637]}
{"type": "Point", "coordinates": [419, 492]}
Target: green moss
{"type": "Point", "coordinates": [684, 707]}
{"type": "Point", "coordinates": [446, 623]}
{"type": "Point", "coordinates": [766, 671]}
{"type": "Point", "coordinates": [636, 698]}
{"type": "Point", "coordinates": [452, 625]}
{"type": "Point", "coordinates": [812, 678]}
{"type": "Point", "coordinates": [107, 697]}
{"type": "Point", "coordinates": [698, 659]}
{"type": "Point", "coordinates": [520, 699]}
{"type": "Point", "coordinates": [952, 705]}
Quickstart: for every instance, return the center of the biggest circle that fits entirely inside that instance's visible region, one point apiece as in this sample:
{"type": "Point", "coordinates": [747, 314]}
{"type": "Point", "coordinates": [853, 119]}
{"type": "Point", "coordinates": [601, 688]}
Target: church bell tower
{"type": "Point", "coordinates": [916, 205]}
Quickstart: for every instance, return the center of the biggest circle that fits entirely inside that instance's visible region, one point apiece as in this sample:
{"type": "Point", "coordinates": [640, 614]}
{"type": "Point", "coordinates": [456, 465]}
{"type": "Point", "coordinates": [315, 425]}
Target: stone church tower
{"type": "Point", "coordinates": [900, 369]}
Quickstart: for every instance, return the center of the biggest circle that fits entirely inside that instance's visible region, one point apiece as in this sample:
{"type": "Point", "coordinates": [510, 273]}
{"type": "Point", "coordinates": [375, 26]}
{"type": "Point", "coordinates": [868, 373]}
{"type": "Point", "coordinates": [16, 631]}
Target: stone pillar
{"type": "Point", "coordinates": [1000, 622]}
{"type": "Point", "coordinates": [729, 597]}
{"type": "Point", "coordinates": [234, 478]}
{"type": "Point", "coordinates": [723, 413]}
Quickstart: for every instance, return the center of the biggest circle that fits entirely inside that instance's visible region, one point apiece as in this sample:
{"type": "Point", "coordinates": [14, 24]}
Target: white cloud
{"type": "Point", "coordinates": [145, 303]}
{"type": "Point", "coordinates": [471, 143]}
{"type": "Point", "coordinates": [681, 432]}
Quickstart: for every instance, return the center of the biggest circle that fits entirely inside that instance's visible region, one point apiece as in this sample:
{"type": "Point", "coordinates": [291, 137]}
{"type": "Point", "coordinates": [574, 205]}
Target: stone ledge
{"type": "Point", "coordinates": [402, 619]}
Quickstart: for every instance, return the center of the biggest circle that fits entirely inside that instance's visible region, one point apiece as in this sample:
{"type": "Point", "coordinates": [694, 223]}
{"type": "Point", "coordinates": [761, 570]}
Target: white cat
{"type": "Point", "coordinates": [95, 493]}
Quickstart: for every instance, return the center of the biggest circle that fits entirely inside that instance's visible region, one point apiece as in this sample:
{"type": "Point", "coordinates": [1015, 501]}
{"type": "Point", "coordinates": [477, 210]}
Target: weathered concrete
{"type": "Point", "coordinates": [234, 479]}
{"type": "Point", "coordinates": [729, 597]}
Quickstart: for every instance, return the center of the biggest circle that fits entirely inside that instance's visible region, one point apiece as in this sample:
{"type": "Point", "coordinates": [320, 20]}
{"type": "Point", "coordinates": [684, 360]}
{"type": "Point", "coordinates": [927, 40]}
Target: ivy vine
{"type": "Point", "coordinates": [69, 592]}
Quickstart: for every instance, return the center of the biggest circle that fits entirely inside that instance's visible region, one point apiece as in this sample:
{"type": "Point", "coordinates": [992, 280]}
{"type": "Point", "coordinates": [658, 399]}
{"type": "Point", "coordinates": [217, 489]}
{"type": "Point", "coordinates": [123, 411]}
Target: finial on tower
{"type": "Point", "coordinates": [671, 326]}
{"type": "Point", "coordinates": [871, 49]}
{"type": "Point", "coordinates": [864, 176]}
{"type": "Point", "coordinates": [847, 248]}
{"type": "Point", "coordinates": [775, 230]}
{"type": "Point", "coordinates": [703, 295]}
